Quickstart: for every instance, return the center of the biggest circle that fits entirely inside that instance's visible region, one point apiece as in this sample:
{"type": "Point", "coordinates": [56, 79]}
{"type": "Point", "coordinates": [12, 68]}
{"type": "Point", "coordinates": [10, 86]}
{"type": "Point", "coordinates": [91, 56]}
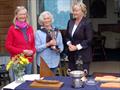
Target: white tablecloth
{"type": "Point", "coordinates": [14, 84]}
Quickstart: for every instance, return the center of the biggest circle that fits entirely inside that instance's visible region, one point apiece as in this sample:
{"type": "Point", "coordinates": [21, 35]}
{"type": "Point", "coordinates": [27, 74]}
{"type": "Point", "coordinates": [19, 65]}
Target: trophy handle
{"type": "Point", "coordinates": [68, 71]}
{"type": "Point", "coordinates": [85, 72]}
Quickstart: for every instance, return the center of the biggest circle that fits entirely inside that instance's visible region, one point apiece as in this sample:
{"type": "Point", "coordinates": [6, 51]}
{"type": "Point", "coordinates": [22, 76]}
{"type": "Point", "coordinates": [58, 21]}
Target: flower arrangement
{"type": "Point", "coordinates": [18, 63]}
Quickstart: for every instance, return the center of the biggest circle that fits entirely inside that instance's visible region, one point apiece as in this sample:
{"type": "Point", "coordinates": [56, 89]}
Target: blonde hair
{"type": "Point", "coordinates": [18, 8]}
{"type": "Point", "coordinates": [82, 7]}
{"type": "Point", "coordinates": [41, 17]}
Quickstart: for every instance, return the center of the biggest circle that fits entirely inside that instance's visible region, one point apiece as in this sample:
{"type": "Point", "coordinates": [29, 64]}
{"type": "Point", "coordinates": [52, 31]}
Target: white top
{"type": "Point", "coordinates": [79, 47]}
{"type": "Point", "coordinates": [74, 28]}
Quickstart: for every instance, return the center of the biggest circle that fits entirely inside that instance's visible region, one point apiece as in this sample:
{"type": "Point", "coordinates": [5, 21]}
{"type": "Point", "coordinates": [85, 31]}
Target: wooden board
{"type": "Point", "coordinates": [36, 84]}
{"type": "Point", "coordinates": [110, 85]}
{"type": "Point", "coordinates": [108, 79]}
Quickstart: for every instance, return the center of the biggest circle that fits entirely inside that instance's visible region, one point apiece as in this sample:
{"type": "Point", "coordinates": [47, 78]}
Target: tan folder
{"type": "Point", "coordinates": [44, 69]}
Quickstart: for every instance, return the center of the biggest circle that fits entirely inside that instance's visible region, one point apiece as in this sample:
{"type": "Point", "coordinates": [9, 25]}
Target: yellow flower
{"type": "Point", "coordinates": [9, 65]}
{"type": "Point", "coordinates": [18, 59]}
{"type": "Point", "coordinates": [24, 60]}
{"type": "Point", "coordinates": [21, 62]}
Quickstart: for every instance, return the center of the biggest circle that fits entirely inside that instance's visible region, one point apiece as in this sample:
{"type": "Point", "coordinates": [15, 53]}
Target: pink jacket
{"type": "Point", "coordinates": [15, 42]}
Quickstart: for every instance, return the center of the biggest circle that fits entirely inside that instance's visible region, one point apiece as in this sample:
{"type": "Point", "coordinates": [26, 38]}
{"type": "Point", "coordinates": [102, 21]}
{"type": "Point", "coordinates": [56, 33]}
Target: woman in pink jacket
{"type": "Point", "coordinates": [20, 37]}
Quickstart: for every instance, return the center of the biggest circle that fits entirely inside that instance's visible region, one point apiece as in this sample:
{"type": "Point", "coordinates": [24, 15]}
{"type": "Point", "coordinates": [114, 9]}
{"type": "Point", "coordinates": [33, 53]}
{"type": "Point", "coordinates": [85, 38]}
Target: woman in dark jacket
{"type": "Point", "coordinates": [79, 37]}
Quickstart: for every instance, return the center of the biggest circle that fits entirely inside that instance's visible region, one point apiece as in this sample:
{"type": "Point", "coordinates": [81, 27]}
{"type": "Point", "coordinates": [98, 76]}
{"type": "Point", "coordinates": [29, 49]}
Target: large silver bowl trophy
{"type": "Point", "coordinates": [78, 74]}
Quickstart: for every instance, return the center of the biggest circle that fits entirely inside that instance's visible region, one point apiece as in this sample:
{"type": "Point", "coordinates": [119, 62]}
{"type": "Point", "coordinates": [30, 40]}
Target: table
{"type": "Point", "coordinates": [67, 85]}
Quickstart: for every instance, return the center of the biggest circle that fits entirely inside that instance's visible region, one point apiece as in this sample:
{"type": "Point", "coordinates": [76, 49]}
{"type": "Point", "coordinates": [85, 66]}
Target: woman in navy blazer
{"type": "Point", "coordinates": [79, 37]}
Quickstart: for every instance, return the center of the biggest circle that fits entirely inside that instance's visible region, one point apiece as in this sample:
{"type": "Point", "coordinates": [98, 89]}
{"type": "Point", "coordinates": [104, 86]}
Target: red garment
{"type": "Point", "coordinates": [16, 43]}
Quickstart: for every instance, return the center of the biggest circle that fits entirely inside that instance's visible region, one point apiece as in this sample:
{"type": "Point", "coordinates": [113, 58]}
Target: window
{"type": "Point", "coordinates": [59, 8]}
{"type": "Point", "coordinates": [97, 8]}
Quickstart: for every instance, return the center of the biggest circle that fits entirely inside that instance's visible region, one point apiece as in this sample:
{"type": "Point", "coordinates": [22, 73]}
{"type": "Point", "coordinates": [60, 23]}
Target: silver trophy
{"type": "Point", "coordinates": [53, 35]}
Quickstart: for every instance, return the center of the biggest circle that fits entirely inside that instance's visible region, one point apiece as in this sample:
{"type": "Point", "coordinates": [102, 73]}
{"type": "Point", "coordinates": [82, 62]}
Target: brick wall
{"type": "Point", "coordinates": [7, 8]}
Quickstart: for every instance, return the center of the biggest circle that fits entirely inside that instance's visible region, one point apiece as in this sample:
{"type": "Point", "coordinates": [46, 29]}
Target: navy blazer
{"type": "Point", "coordinates": [82, 35]}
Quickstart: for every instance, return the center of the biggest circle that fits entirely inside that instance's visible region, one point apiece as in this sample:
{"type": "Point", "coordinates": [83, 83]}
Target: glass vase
{"type": "Point", "coordinates": [18, 70]}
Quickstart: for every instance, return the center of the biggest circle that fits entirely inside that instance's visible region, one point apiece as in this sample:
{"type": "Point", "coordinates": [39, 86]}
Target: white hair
{"type": "Point", "coordinates": [41, 17]}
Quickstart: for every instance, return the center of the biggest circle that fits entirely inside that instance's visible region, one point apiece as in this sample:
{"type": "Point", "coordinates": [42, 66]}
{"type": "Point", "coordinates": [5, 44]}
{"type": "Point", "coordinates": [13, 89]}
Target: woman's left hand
{"type": "Point", "coordinates": [28, 52]}
{"type": "Point", "coordinates": [55, 48]}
